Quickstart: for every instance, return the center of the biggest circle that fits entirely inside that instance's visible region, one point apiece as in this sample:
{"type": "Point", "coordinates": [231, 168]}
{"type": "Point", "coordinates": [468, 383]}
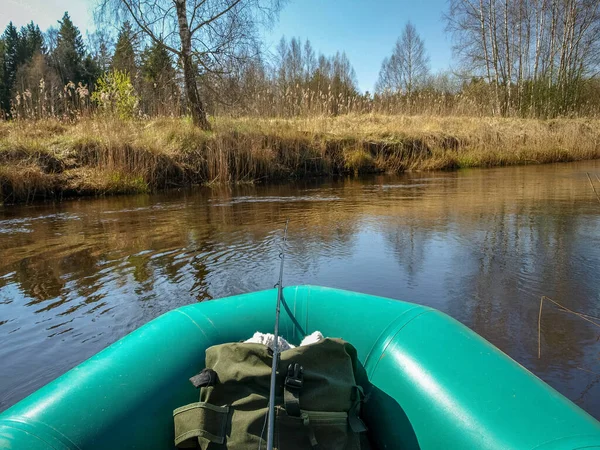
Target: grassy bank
{"type": "Point", "coordinates": [48, 159]}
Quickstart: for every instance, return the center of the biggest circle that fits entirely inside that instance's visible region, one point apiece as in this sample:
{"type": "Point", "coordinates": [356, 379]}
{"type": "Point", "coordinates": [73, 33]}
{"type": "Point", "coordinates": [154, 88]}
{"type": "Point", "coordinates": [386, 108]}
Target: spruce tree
{"type": "Point", "coordinates": [2, 82]}
{"type": "Point", "coordinates": [159, 77]}
{"type": "Point", "coordinates": [68, 57]}
{"type": "Point", "coordinates": [31, 42]}
{"type": "Point", "coordinates": [125, 52]}
{"type": "Point", "coordinates": [91, 71]}
{"type": "Point", "coordinates": [103, 57]}
{"type": "Point", "coordinates": [10, 64]}
{"type": "Point", "coordinates": [98, 44]}
{"type": "Point", "coordinates": [157, 66]}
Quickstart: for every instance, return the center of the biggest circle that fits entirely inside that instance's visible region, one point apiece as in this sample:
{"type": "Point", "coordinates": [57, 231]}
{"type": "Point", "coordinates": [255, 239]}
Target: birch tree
{"type": "Point", "coordinates": [204, 35]}
{"type": "Point", "coordinates": [533, 54]}
{"type": "Point", "coordinates": [408, 67]}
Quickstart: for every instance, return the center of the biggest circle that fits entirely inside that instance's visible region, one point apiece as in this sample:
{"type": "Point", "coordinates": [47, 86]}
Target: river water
{"type": "Point", "coordinates": [481, 245]}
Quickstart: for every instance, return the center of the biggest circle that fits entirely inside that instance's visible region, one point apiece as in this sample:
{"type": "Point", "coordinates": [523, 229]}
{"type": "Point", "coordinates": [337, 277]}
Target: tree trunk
{"type": "Point", "coordinates": [540, 28]}
{"type": "Point", "coordinates": [484, 42]}
{"type": "Point", "coordinates": [189, 74]}
{"type": "Point", "coordinates": [495, 53]}
{"type": "Point", "coordinates": [552, 43]}
{"type": "Point", "coordinates": [485, 47]}
{"type": "Point", "coordinates": [523, 50]}
{"type": "Point", "coordinates": [509, 61]}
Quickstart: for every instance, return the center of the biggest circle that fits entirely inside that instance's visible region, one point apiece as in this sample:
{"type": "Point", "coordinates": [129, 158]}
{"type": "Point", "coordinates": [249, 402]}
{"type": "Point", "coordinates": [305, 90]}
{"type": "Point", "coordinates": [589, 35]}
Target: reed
{"type": "Point", "coordinates": [590, 319]}
{"type": "Point", "coordinates": [99, 155]}
{"type": "Point", "coordinates": [592, 185]}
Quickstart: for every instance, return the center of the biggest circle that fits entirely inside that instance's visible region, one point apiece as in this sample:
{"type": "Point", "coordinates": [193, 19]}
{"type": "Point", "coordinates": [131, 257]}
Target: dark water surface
{"type": "Point", "coordinates": [481, 245]}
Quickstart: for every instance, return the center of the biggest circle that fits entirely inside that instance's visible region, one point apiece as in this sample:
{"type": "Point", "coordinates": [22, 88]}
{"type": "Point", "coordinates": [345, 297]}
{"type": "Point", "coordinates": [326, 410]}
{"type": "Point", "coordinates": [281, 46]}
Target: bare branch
{"type": "Point", "coordinates": [216, 17]}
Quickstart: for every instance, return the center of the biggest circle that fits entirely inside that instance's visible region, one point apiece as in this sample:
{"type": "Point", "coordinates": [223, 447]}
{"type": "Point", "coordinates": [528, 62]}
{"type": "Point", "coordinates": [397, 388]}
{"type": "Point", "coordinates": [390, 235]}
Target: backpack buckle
{"type": "Point", "coordinates": [295, 376]}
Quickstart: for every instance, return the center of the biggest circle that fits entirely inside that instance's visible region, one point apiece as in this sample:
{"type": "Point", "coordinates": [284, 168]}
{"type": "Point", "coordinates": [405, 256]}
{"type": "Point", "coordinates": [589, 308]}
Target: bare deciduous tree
{"type": "Point", "coordinates": [534, 54]}
{"type": "Point", "coordinates": [408, 67]}
{"type": "Point", "coordinates": [205, 35]}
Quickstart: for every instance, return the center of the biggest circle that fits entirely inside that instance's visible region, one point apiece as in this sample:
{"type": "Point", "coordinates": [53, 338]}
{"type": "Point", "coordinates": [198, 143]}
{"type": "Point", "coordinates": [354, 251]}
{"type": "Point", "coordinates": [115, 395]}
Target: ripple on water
{"type": "Point", "coordinates": [482, 246]}
{"type": "Point", "coordinates": [291, 199]}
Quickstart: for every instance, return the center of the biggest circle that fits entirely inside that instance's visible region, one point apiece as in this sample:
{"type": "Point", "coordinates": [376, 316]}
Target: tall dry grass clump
{"type": "Point", "coordinates": [51, 159]}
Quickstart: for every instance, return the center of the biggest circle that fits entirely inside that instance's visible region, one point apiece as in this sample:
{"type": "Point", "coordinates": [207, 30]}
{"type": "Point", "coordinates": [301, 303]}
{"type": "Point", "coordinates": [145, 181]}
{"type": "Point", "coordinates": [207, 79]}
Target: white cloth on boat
{"type": "Point", "coordinates": [268, 339]}
{"type": "Point", "coordinates": [312, 338]}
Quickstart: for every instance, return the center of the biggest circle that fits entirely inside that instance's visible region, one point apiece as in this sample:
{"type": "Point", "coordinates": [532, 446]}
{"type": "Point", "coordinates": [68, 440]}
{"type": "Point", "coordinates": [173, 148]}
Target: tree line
{"type": "Point", "coordinates": [530, 58]}
{"type": "Point", "coordinates": [539, 57]}
{"type": "Point", "coordinates": [55, 74]}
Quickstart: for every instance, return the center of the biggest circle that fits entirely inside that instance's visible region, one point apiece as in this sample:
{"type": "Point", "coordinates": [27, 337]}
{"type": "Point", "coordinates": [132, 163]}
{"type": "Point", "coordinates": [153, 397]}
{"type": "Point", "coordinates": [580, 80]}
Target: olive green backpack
{"type": "Point", "coordinates": [317, 400]}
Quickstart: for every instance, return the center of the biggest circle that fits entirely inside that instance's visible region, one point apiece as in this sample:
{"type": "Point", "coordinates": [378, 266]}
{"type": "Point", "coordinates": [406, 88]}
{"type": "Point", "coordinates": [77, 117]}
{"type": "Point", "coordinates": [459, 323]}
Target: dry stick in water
{"type": "Point", "coordinates": [586, 370]}
{"type": "Point", "coordinates": [540, 328]}
{"type": "Point", "coordinates": [583, 316]}
{"type": "Point", "coordinates": [564, 308]}
{"type": "Point", "coordinates": [592, 184]}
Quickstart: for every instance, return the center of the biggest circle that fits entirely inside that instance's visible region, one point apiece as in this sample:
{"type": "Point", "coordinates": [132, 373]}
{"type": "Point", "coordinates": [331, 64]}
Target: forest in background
{"type": "Point", "coordinates": [525, 58]}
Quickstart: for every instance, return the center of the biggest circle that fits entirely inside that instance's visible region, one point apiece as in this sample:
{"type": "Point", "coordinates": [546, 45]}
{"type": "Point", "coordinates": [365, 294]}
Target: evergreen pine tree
{"type": "Point", "coordinates": [99, 44]}
{"type": "Point", "coordinates": [10, 63]}
{"type": "Point", "coordinates": [103, 57]}
{"type": "Point", "coordinates": [157, 65]}
{"type": "Point", "coordinates": [125, 52]}
{"type": "Point", "coordinates": [2, 83]}
{"type": "Point", "coordinates": [91, 71]}
{"type": "Point", "coordinates": [31, 42]}
{"type": "Point", "coordinates": [159, 77]}
{"type": "Point", "coordinates": [69, 54]}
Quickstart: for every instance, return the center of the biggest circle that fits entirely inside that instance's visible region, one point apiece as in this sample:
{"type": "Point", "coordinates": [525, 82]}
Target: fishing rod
{"type": "Point", "coordinates": [271, 424]}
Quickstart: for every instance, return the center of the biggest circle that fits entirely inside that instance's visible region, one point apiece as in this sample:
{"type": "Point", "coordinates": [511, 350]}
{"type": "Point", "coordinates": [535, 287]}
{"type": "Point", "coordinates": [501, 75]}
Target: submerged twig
{"type": "Point", "coordinates": [587, 389]}
{"type": "Point", "coordinates": [585, 317]}
{"type": "Point", "coordinates": [540, 328]}
{"type": "Point", "coordinates": [592, 184]}
{"type": "Point", "coordinates": [582, 315]}
{"type": "Point", "coordinates": [586, 370]}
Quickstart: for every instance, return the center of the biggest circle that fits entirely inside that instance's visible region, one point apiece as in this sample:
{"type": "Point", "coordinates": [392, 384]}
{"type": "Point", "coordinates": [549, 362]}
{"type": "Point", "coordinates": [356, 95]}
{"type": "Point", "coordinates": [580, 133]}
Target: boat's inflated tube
{"type": "Point", "coordinates": [436, 384]}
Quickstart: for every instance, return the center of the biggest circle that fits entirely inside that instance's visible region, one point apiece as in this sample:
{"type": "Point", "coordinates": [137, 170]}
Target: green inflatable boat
{"type": "Point", "coordinates": [437, 384]}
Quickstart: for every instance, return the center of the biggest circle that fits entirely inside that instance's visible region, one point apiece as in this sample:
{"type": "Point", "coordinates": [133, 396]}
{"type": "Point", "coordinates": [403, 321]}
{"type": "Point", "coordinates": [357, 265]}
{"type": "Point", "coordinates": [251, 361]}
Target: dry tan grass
{"type": "Point", "coordinates": [25, 182]}
{"type": "Point", "coordinates": [103, 156]}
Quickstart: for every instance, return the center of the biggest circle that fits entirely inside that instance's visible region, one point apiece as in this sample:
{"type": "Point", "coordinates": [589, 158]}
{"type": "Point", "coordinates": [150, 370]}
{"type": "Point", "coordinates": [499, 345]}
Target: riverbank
{"type": "Point", "coordinates": [52, 160]}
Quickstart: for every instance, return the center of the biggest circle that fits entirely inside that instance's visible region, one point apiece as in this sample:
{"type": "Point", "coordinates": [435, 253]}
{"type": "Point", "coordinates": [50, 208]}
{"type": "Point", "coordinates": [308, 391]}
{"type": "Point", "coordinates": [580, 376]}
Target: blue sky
{"type": "Point", "coordinates": [365, 30]}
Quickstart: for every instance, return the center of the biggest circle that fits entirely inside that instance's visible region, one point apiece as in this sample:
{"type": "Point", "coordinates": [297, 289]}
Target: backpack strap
{"type": "Point", "coordinates": [354, 420]}
{"type": "Point", "coordinates": [200, 421]}
{"type": "Point", "coordinates": [311, 432]}
{"type": "Point", "coordinates": [291, 389]}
